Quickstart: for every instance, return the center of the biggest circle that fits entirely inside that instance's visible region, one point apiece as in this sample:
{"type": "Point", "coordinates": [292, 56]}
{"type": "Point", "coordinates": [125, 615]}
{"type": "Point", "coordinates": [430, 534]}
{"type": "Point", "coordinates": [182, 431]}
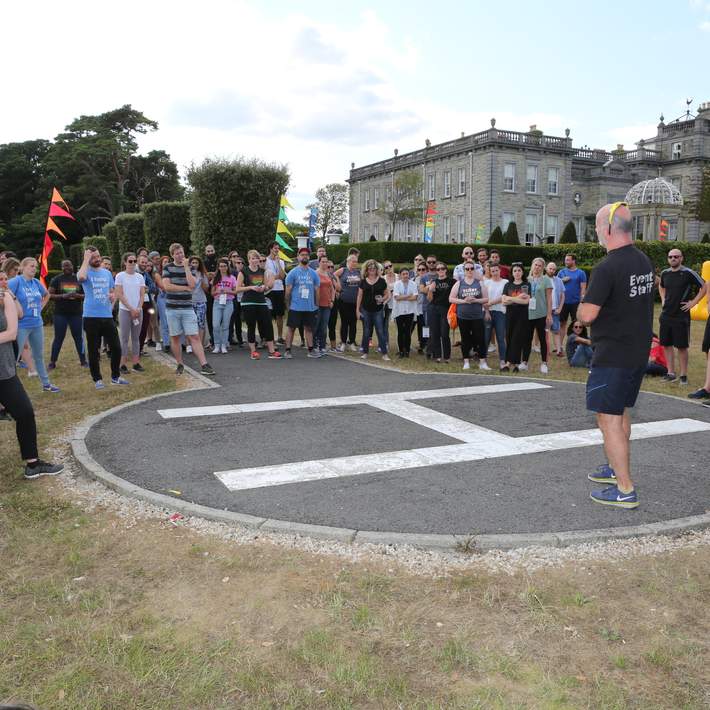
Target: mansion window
{"type": "Point", "coordinates": [366, 200]}
{"type": "Point", "coordinates": [552, 227]}
{"type": "Point", "coordinates": [531, 178]}
{"type": "Point", "coordinates": [509, 177]}
{"type": "Point", "coordinates": [676, 151]}
{"type": "Point", "coordinates": [431, 185]}
{"type": "Point", "coordinates": [461, 228]}
{"type": "Point", "coordinates": [447, 183]}
{"type": "Point", "coordinates": [508, 217]}
{"type": "Point", "coordinates": [553, 181]}
{"type": "Point", "coordinates": [376, 199]}
{"type": "Point", "coordinates": [462, 181]}
{"type": "Point", "coordinates": [447, 229]}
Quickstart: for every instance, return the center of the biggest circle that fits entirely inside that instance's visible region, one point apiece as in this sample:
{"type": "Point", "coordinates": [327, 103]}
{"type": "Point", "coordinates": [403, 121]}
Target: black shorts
{"type": "Point", "coordinates": [610, 390]}
{"type": "Point", "coordinates": [706, 337]}
{"type": "Point", "coordinates": [298, 319]}
{"type": "Point", "coordinates": [568, 310]}
{"type": "Point", "coordinates": [278, 302]}
{"type": "Point", "coordinates": [674, 331]}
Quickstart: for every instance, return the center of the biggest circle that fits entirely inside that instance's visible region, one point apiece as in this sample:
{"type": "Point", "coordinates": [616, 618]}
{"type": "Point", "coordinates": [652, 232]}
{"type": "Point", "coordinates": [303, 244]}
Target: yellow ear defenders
{"type": "Point", "coordinates": [613, 209]}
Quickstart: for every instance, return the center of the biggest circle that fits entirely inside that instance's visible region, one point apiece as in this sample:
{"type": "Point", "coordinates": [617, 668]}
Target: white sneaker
{"type": "Point", "coordinates": [224, 350]}
{"type": "Point", "coordinates": [188, 349]}
{"type": "Point", "coordinates": [363, 356]}
{"type": "Point", "coordinates": [543, 368]}
{"type": "Point", "coordinates": [340, 348]}
{"type": "Point", "coordinates": [523, 366]}
{"type": "Point", "coordinates": [492, 348]}
{"type": "Point", "coordinates": [466, 365]}
{"type": "Point", "coordinates": [483, 365]}
{"type": "Point", "coordinates": [216, 350]}
{"type": "Point", "coordinates": [354, 347]}
{"type": "Point", "coordinates": [158, 347]}
{"type": "Point", "coordinates": [386, 357]}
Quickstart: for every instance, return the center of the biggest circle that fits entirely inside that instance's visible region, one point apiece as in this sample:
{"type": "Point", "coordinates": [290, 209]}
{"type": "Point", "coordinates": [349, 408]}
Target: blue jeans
{"type": "Point", "coordinates": [61, 323]}
{"type": "Point", "coordinates": [221, 315]}
{"type": "Point", "coordinates": [36, 339]}
{"type": "Point", "coordinates": [320, 332]}
{"type": "Point", "coordinates": [582, 356]}
{"type": "Point", "coordinates": [496, 322]}
{"type": "Point", "coordinates": [376, 319]}
{"type": "Point", "coordinates": [163, 318]}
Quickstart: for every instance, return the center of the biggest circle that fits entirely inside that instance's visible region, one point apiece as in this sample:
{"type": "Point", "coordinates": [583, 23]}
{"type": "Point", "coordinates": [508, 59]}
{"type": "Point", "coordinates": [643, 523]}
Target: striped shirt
{"type": "Point", "coordinates": [177, 299]}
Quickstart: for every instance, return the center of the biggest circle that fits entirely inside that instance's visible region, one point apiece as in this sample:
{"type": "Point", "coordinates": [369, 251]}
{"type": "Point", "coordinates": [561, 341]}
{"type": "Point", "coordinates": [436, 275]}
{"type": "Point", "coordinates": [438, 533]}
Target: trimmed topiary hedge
{"type": "Point", "coordinates": [165, 223]}
{"type": "Point", "coordinates": [129, 231]}
{"type": "Point", "coordinates": [56, 256]}
{"type": "Point", "coordinates": [99, 242]}
{"type": "Point", "coordinates": [110, 231]}
{"type": "Point", "coordinates": [76, 254]}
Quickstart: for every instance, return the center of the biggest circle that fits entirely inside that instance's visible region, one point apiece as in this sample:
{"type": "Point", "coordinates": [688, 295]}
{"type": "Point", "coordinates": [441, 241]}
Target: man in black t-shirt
{"type": "Point", "coordinates": [619, 305]}
{"type": "Point", "coordinates": [67, 294]}
{"type": "Point", "coordinates": [677, 286]}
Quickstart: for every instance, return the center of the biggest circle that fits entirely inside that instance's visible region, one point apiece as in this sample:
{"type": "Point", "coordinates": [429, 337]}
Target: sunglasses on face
{"type": "Point", "coordinates": [420, 268]}
{"type": "Point", "coordinates": [576, 327]}
{"type": "Point", "coordinates": [441, 268]}
{"type": "Point", "coordinates": [130, 261]}
{"type": "Point", "coordinates": [673, 256]}
{"type": "Point", "coordinates": [468, 268]}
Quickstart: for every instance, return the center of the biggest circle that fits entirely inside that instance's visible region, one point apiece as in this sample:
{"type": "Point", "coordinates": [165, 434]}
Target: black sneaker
{"type": "Point", "coordinates": [42, 468]}
{"type": "Point", "coordinates": [150, 343]}
{"type": "Point", "coordinates": [138, 368]}
{"type": "Point", "coordinates": [4, 416]}
{"type": "Point", "coordinates": [702, 393]}
{"type": "Point", "coordinates": [124, 370]}
{"type": "Point", "coordinates": [52, 366]}
{"type": "Point", "coordinates": [207, 369]}
{"type": "Point", "coordinates": [683, 379]}
{"type": "Point", "coordinates": [180, 369]}
{"type": "Point", "coordinates": [670, 377]}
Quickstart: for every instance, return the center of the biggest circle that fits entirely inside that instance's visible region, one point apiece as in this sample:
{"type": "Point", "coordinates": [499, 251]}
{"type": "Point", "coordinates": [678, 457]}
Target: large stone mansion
{"type": "Point", "coordinates": [541, 182]}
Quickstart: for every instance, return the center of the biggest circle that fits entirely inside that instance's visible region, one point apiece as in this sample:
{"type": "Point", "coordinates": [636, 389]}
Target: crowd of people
{"type": "Point", "coordinates": [199, 304]}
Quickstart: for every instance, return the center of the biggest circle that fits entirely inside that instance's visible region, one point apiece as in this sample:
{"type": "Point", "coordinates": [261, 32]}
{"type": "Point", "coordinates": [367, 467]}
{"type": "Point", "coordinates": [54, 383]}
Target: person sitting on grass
{"type": "Point", "coordinates": [579, 346]}
{"type": "Point", "coordinates": [657, 364]}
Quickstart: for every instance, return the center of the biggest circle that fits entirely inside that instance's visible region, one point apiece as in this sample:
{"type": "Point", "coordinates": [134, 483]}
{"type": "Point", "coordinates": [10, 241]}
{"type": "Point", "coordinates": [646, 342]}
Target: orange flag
{"type": "Point", "coordinates": [57, 208]}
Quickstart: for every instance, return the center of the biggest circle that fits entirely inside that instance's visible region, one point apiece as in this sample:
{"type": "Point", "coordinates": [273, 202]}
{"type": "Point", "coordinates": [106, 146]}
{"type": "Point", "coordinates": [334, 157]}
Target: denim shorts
{"type": "Point", "coordinates": [610, 390]}
{"type": "Point", "coordinates": [181, 321]}
{"type": "Point", "coordinates": [555, 327]}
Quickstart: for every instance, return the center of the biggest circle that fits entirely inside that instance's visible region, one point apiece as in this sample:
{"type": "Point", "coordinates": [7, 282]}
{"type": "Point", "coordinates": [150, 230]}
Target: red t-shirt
{"type": "Point", "coordinates": [325, 291]}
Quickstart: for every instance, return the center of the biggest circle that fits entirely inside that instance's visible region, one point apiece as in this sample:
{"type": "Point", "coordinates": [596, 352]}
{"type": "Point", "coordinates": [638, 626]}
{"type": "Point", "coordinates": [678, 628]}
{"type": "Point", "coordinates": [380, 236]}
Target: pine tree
{"type": "Point", "coordinates": [569, 234]}
{"type": "Point", "coordinates": [511, 235]}
{"type": "Point", "coordinates": [705, 239]}
{"type": "Point", "coordinates": [496, 236]}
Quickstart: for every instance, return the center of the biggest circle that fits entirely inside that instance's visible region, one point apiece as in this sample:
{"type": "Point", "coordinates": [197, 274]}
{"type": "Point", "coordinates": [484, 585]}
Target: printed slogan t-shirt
{"type": "Point", "coordinates": [622, 284]}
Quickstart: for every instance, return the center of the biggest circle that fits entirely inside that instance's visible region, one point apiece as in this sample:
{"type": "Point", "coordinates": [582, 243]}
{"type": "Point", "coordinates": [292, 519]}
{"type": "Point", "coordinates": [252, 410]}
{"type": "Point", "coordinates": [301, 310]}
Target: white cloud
{"type": "Point", "coordinates": [705, 26]}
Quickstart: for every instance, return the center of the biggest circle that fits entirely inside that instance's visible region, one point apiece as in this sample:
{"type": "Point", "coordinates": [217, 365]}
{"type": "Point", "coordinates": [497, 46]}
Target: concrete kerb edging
{"type": "Point", "coordinates": [470, 543]}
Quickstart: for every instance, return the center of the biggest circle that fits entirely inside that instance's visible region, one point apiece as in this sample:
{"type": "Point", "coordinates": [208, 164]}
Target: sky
{"type": "Point", "coordinates": [317, 85]}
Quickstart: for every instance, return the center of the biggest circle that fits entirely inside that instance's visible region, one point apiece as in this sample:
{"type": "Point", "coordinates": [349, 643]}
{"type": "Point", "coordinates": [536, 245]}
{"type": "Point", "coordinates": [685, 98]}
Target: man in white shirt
{"type": "Point", "coordinates": [276, 266]}
{"type": "Point", "coordinates": [467, 256]}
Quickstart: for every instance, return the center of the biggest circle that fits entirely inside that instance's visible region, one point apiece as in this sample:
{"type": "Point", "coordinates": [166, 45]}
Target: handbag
{"type": "Point", "coordinates": [452, 317]}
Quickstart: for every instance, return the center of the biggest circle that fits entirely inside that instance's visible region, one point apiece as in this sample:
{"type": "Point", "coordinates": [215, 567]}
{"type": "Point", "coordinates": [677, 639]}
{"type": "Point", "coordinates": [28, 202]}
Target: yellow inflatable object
{"type": "Point", "coordinates": [700, 311]}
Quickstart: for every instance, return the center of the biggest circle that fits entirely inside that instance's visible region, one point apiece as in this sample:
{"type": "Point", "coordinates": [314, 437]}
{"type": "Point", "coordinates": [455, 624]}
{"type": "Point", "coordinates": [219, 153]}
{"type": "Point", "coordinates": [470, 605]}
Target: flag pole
{"type": "Point", "coordinates": [42, 258]}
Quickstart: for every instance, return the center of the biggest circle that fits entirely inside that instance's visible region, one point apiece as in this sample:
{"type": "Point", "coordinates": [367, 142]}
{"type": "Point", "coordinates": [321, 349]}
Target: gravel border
{"type": "Point", "coordinates": [479, 543]}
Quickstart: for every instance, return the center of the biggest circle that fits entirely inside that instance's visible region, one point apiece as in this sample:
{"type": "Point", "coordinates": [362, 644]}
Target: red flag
{"type": "Point", "coordinates": [52, 225]}
{"type": "Point", "coordinates": [44, 259]}
{"type": "Point", "coordinates": [56, 211]}
{"type": "Point", "coordinates": [57, 208]}
{"type": "Point", "coordinates": [663, 230]}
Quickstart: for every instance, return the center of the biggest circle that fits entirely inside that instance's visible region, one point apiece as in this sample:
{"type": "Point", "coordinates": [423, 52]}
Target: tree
{"type": "Point", "coordinates": [406, 201]}
{"type": "Point", "coordinates": [569, 234]}
{"type": "Point", "coordinates": [511, 235]}
{"type": "Point", "coordinates": [165, 223]}
{"type": "Point", "coordinates": [496, 236]}
{"type": "Point", "coordinates": [96, 158]}
{"type": "Point", "coordinates": [235, 203]}
{"type": "Point", "coordinates": [705, 239]}
{"type": "Point", "coordinates": [153, 178]}
{"type": "Point", "coordinates": [332, 203]}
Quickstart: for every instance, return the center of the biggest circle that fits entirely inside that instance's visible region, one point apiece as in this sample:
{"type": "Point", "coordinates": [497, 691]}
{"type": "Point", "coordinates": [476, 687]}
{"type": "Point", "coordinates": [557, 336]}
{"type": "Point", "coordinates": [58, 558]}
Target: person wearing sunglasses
{"type": "Point", "coordinates": [420, 271]}
{"type": "Point", "coordinates": [676, 286]}
{"type": "Point", "coordinates": [438, 292]}
{"type": "Point", "coordinates": [539, 312]}
{"type": "Point", "coordinates": [372, 296]}
{"type": "Point", "coordinates": [236, 337]}
{"type": "Point", "coordinates": [390, 279]}
{"type": "Point", "coordinates": [579, 346]}
{"type": "Point", "coordinates": [130, 291]}
{"type": "Point", "coordinates": [515, 298]}
{"type": "Point", "coordinates": [471, 299]}
{"type": "Point", "coordinates": [404, 298]}
{"type": "Point", "coordinates": [424, 280]}
{"type": "Point", "coordinates": [619, 304]}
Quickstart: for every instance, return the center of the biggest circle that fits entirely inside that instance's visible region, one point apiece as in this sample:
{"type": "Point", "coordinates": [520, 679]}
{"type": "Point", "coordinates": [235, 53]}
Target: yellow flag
{"type": "Point", "coordinates": [284, 257]}
{"type": "Point", "coordinates": [282, 229]}
{"type": "Point", "coordinates": [285, 202]}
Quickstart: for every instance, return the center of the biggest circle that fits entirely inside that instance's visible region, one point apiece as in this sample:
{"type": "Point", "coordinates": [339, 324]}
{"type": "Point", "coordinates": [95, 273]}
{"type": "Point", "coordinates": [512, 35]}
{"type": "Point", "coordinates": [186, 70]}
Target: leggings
{"type": "Point", "coordinates": [332, 321]}
{"type": "Point", "coordinates": [145, 323]}
{"type": "Point", "coordinates": [472, 336]}
{"type": "Point", "coordinates": [404, 332]}
{"type": "Point", "coordinates": [261, 316]}
{"type": "Point", "coordinates": [516, 329]}
{"type": "Point", "coordinates": [16, 402]}
{"type": "Point", "coordinates": [35, 336]}
{"type": "Point", "coordinates": [61, 322]}
{"type": "Point", "coordinates": [536, 325]}
{"type": "Point", "coordinates": [127, 330]}
{"type": "Point", "coordinates": [95, 329]}
{"type": "Point", "coordinates": [348, 322]}
{"type": "Point", "coordinates": [421, 324]}
{"type": "Point", "coordinates": [439, 339]}
{"type": "Point", "coordinates": [235, 322]}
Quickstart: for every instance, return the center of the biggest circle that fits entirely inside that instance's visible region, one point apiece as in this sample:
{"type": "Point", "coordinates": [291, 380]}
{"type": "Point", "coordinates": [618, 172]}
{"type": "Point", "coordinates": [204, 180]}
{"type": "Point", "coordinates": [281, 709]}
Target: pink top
{"type": "Point", "coordinates": [226, 282]}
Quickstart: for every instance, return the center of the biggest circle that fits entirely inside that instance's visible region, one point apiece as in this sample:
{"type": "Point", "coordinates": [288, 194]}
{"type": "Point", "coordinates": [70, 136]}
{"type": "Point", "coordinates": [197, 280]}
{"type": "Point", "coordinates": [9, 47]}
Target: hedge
{"type": "Point", "coordinates": [586, 253]}
{"type": "Point", "coordinates": [129, 230]}
{"type": "Point", "coordinates": [99, 242]}
{"type": "Point", "coordinates": [234, 203]}
{"type": "Point", "coordinates": [110, 231]}
{"type": "Point", "coordinates": [56, 256]}
{"type": "Point", "coordinates": [165, 223]}
{"type": "Point", "coordinates": [76, 254]}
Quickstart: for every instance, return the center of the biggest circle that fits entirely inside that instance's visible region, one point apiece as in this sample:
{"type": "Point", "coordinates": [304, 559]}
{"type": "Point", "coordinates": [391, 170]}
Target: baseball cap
{"type": "Point", "coordinates": [153, 253]}
{"type": "Point", "coordinates": [304, 249]}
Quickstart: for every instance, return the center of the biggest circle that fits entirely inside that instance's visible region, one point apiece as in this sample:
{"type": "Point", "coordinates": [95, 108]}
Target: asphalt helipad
{"type": "Point", "coordinates": [376, 455]}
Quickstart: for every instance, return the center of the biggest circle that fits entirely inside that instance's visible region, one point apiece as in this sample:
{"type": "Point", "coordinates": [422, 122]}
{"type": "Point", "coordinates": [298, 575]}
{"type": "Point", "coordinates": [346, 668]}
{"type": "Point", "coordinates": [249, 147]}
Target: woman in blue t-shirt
{"type": "Point", "coordinates": [33, 297]}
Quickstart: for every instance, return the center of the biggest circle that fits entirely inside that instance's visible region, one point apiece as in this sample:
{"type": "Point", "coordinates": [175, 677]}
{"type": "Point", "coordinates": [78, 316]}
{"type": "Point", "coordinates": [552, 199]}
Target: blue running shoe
{"type": "Point", "coordinates": [613, 496]}
{"type": "Point", "coordinates": [603, 474]}
{"type": "Point", "coordinates": [99, 384]}
{"type": "Point", "coordinates": [119, 381]}
{"type": "Point", "coordinates": [50, 388]}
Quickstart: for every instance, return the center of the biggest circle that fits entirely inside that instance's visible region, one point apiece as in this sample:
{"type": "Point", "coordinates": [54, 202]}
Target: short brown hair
{"type": "Point", "coordinates": [174, 247]}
